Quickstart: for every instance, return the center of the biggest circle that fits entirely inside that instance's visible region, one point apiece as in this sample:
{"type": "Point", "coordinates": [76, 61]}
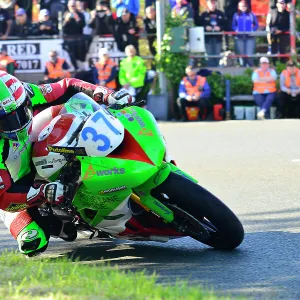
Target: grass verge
{"type": "Point", "coordinates": [46, 278]}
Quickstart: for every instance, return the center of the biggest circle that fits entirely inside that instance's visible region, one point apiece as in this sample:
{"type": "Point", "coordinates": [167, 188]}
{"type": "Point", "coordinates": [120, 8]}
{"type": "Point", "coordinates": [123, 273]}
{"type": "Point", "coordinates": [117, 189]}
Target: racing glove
{"type": "Point", "coordinates": [51, 192]}
{"type": "Point", "coordinates": [112, 97]}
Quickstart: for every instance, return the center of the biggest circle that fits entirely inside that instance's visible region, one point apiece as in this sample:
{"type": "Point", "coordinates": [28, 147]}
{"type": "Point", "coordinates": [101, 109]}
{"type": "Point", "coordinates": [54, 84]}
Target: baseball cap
{"type": "Point", "coordinates": [103, 51]}
{"type": "Point", "coordinates": [20, 12]}
{"type": "Point", "coordinates": [125, 11]}
{"type": "Point", "coordinates": [44, 12]}
{"type": "Point", "coordinates": [264, 60]}
{"type": "Point", "coordinates": [280, 1]}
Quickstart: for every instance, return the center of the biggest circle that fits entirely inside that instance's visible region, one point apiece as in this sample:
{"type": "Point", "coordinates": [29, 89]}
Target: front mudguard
{"type": "Point", "coordinates": [144, 190]}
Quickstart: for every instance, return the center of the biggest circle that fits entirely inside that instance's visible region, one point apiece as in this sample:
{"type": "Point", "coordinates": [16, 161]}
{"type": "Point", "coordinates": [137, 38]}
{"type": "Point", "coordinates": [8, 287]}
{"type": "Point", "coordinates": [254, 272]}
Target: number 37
{"type": "Point", "coordinates": [90, 132]}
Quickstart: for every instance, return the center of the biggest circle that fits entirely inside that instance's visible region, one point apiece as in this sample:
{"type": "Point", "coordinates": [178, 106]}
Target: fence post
{"type": "Point", "coordinates": [160, 30]}
{"type": "Point", "coordinates": [60, 26]}
{"type": "Point", "coordinates": [293, 30]}
{"type": "Point", "coordinates": [227, 85]}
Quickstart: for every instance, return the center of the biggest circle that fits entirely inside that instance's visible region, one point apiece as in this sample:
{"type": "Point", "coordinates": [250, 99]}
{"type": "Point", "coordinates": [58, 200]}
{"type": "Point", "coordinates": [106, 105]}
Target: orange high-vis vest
{"type": "Point", "coordinates": [194, 90]}
{"type": "Point", "coordinates": [57, 71]}
{"type": "Point", "coordinates": [104, 72]}
{"type": "Point", "coordinates": [287, 77]}
{"type": "Point", "coordinates": [5, 61]}
{"type": "Point", "coordinates": [260, 87]}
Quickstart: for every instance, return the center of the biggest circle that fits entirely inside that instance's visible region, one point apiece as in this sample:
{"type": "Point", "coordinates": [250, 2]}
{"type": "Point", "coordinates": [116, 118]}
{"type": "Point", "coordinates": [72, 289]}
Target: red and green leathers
{"type": "Point", "coordinates": [16, 173]}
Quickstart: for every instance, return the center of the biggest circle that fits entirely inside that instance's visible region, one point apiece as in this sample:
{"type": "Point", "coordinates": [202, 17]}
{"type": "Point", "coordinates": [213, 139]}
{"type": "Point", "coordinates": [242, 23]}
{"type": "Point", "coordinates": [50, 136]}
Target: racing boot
{"type": "Point", "coordinates": [31, 238]}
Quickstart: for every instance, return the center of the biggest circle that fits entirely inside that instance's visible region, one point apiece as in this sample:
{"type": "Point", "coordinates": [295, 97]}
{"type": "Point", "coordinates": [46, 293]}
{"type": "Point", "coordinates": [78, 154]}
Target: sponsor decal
{"type": "Point", "coordinates": [15, 146]}
{"type": "Point", "coordinates": [20, 151]}
{"type": "Point", "coordinates": [47, 167]}
{"type": "Point", "coordinates": [162, 207]}
{"type": "Point", "coordinates": [57, 160]}
{"type": "Point", "coordinates": [29, 235]}
{"type": "Point", "coordinates": [97, 202]}
{"type": "Point", "coordinates": [45, 132]}
{"type": "Point", "coordinates": [138, 118]}
{"type": "Point", "coordinates": [116, 189]}
{"type": "Point", "coordinates": [91, 172]}
{"type": "Point", "coordinates": [46, 89]}
{"type": "Point", "coordinates": [131, 116]}
{"type": "Point", "coordinates": [16, 207]}
{"type": "Point", "coordinates": [179, 172]}
{"type": "Point", "coordinates": [29, 89]}
{"type": "Point", "coordinates": [113, 217]}
{"type": "Point", "coordinates": [158, 174]}
{"type": "Point", "coordinates": [114, 171]}
{"type": "Point", "coordinates": [2, 186]}
{"type": "Point", "coordinates": [8, 101]}
{"type": "Point", "coordinates": [146, 132]}
{"type": "Point", "coordinates": [67, 150]}
{"type": "Point", "coordinates": [1, 180]}
{"type": "Point", "coordinates": [41, 162]}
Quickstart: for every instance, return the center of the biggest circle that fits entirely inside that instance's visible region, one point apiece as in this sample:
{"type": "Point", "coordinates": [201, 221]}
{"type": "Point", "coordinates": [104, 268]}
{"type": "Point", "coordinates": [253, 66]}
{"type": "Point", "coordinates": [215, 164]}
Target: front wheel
{"type": "Point", "coordinates": [225, 231]}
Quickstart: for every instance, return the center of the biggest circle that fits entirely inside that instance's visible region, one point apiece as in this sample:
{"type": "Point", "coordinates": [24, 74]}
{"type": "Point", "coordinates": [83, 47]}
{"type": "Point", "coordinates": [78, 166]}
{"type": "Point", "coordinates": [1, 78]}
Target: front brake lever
{"type": "Point", "coordinates": [121, 106]}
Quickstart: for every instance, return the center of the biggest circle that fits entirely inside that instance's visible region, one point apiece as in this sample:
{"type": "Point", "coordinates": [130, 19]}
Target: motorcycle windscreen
{"type": "Point", "coordinates": [80, 104]}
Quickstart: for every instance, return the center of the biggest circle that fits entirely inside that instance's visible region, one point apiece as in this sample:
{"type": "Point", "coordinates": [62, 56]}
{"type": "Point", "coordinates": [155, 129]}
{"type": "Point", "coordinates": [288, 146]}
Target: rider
{"type": "Point", "coordinates": [19, 197]}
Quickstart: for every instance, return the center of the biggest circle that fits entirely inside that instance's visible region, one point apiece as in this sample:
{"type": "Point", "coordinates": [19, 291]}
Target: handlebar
{"type": "Point", "coordinates": [120, 106]}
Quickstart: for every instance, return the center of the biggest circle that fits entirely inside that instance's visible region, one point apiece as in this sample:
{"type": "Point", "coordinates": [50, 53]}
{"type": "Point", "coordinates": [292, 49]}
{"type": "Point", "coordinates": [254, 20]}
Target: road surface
{"type": "Point", "coordinates": [254, 167]}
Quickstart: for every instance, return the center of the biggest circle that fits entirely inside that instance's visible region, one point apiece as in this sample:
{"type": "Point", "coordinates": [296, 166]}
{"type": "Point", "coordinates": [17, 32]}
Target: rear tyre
{"type": "Point", "coordinates": [225, 230]}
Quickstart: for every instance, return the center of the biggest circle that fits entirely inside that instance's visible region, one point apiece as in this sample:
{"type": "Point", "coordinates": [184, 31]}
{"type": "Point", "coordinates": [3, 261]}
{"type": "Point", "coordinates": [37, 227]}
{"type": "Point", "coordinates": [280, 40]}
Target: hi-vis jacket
{"type": "Point", "coordinates": [264, 87]}
{"type": "Point", "coordinates": [196, 87]}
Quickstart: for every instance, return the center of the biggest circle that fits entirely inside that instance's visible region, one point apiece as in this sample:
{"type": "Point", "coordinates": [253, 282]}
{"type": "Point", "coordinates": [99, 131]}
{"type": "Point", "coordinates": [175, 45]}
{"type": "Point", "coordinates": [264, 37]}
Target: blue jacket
{"type": "Point", "coordinates": [132, 5]}
{"type": "Point", "coordinates": [183, 93]}
{"type": "Point", "coordinates": [244, 22]}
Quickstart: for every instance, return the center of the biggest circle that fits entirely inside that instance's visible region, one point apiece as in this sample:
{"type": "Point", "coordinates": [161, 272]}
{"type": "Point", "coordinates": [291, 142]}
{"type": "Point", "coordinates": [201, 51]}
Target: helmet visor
{"type": "Point", "coordinates": [17, 119]}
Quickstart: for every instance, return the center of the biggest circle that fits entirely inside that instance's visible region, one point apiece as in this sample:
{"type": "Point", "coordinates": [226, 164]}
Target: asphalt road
{"type": "Point", "coordinates": [254, 167]}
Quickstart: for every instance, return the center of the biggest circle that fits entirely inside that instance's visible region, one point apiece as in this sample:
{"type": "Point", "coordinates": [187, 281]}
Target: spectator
{"type": "Point", "coordinates": [73, 30]}
{"type": "Point", "coordinates": [133, 6]}
{"type": "Point", "coordinates": [21, 26]}
{"type": "Point", "coordinates": [102, 21]}
{"type": "Point", "coordinates": [132, 72]}
{"type": "Point", "coordinates": [264, 89]}
{"type": "Point", "coordinates": [213, 20]}
{"type": "Point", "coordinates": [278, 22]}
{"type": "Point", "coordinates": [7, 63]}
{"type": "Point", "coordinates": [45, 26]}
{"type": "Point", "coordinates": [245, 20]}
{"type": "Point", "coordinates": [194, 90]}
{"type": "Point", "coordinates": [289, 96]}
{"type": "Point", "coordinates": [56, 68]}
{"type": "Point", "coordinates": [5, 23]}
{"type": "Point", "coordinates": [87, 32]}
{"type": "Point", "coordinates": [150, 28]}
{"type": "Point", "coordinates": [55, 7]}
{"type": "Point", "coordinates": [182, 9]}
{"type": "Point", "coordinates": [106, 70]}
{"type": "Point", "coordinates": [126, 31]}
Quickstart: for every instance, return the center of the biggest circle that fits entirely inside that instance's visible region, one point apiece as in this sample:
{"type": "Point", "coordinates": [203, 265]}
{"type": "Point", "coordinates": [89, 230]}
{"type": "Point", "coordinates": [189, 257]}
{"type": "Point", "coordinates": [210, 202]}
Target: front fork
{"type": "Point", "coordinates": [142, 194]}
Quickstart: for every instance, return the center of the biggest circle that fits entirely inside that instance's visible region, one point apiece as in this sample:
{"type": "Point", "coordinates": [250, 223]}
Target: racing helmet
{"type": "Point", "coordinates": [15, 109]}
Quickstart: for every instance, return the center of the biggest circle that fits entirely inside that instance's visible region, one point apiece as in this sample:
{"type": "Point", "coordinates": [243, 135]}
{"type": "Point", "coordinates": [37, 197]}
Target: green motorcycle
{"type": "Point", "coordinates": [120, 181]}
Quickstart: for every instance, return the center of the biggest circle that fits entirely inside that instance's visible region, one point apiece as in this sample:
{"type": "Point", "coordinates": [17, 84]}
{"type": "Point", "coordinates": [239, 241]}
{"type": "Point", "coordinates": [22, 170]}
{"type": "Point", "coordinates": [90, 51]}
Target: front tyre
{"type": "Point", "coordinates": [227, 231]}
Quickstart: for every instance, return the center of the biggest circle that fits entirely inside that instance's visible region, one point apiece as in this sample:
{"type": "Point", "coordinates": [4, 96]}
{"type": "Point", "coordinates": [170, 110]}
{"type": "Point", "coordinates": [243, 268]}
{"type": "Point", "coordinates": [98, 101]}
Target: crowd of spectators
{"type": "Point", "coordinates": [83, 19]}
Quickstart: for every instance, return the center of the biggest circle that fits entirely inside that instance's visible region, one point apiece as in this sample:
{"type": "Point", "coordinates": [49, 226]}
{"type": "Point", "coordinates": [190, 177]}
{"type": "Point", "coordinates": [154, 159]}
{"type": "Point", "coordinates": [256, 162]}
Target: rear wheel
{"type": "Point", "coordinates": [207, 219]}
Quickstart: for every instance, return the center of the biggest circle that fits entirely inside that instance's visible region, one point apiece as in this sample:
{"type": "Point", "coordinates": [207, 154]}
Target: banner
{"type": "Point", "coordinates": [104, 42]}
{"type": "Point", "coordinates": [31, 55]}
